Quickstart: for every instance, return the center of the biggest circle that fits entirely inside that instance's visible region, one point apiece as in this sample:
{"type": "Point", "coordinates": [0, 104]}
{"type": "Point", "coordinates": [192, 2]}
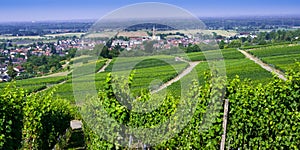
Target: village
{"type": "Point", "coordinates": [16, 56]}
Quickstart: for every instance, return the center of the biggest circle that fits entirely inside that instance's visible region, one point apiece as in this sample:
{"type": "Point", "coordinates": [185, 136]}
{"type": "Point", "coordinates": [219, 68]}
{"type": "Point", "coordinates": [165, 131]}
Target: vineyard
{"type": "Point", "coordinates": [147, 70]}
{"type": "Point", "coordinates": [227, 54]}
{"type": "Point", "coordinates": [263, 116]}
{"type": "Point", "coordinates": [263, 110]}
{"type": "Point", "coordinates": [32, 121]}
{"type": "Point", "coordinates": [280, 57]}
{"type": "Point", "coordinates": [35, 84]}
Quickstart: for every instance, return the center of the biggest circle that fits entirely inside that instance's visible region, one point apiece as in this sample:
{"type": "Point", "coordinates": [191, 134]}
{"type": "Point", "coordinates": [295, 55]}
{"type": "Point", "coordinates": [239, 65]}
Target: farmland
{"type": "Point", "coordinates": [107, 34]}
{"type": "Point", "coordinates": [36, 84]}
{"type": "Point", "coordinates": [280, 57]}
{"type": "Point", "coordinates": [153, 71]}
{"type": "Point", "coordinates": [152, 68]}
{"type": "Point", "coordinates": [247, 98]}
{"type": "Point", "coordinates": [150, 75]}
{"type": "Point", "coordinates": [21, 37]}
{"type": "Point", "coordinates": [78, 34]}
{"type": "Point", "coordinates": [236, 65]}
{"type": "Point", "coordinates": [163, 68]}
{"type": "Point", "coordinates": [147, 69]}
{"type": "Point", "coordinates": [187, 32]}
{"type": "Point", "coordinates": [226, 54]}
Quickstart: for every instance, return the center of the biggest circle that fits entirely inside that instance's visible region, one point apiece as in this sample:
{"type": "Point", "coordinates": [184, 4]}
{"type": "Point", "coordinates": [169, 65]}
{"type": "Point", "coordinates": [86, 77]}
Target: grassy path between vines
{"type": "Point", "coordinates": [105, 66]}
{"type": "Point", "coordinates": [263, 65]}
{"type": "Point", "coordinates": [185, 72]}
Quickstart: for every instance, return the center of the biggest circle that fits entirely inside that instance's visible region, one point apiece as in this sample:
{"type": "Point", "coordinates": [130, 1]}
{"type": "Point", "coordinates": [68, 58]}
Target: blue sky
{"type": "Point", "coordinates": [36, 10]}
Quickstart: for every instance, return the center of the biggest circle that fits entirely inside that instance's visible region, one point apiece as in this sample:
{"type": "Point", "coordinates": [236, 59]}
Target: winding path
{"type": "Point", "coordinates": [105, 66]}
{"type": "Point", "coordinates": [65, 74]}
{"type": "Point", "coordinates": [51, 85]}
{"type": "Point", "coordinates": [264, 65]}
{"type": "Point", "coordinates": [185, 72]}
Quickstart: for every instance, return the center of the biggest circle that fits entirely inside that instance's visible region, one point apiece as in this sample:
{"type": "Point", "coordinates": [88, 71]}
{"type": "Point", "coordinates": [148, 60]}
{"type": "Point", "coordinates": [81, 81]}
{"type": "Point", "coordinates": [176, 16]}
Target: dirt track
{"type": "Point", "coordinates": [264, 65]}
{"type": "Point", "coordinates": [185, 72]}
{"type": "Point", "coordinates": [105, 66]}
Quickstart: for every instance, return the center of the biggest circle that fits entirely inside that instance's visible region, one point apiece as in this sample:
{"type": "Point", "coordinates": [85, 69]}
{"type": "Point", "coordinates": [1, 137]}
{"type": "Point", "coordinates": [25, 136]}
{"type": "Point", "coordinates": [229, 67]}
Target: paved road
{"type": "Point", "coordinates": [264, 65]}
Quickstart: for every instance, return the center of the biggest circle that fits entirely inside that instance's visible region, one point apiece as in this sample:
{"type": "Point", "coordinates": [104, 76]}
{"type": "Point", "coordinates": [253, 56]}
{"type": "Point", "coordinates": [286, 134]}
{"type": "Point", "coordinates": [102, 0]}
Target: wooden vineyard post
{"type": "Point", "coordinates": [222, 146]}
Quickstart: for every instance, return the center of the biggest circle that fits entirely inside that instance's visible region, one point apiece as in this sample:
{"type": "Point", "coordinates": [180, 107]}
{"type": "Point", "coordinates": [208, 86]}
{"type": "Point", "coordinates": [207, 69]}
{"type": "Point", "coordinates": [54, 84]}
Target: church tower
{"type": "Point", "coordinates": [153, 33]}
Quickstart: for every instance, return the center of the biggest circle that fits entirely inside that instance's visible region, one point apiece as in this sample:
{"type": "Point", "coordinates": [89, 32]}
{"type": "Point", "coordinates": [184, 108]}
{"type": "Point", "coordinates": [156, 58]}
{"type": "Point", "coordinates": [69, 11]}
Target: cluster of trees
{"type": "Point", "coordinates": [106, 53]}
{"type": "Point", "coordinates": [277, 36]}
{"type": "Point", "coordinates": [43, 28]}
{"type": "Point", "coordinates": [163, 35]}
{"type": "Point", "coordinates": [263, 38]}
{"type": "Point", "coordinates": [110, 52]}
{"type": "Point", "coordinates": [45, 64]}
{"type": "Point", "coordinates": [191, 48]}
{"type": "Point", "coordinates": [3, 45]}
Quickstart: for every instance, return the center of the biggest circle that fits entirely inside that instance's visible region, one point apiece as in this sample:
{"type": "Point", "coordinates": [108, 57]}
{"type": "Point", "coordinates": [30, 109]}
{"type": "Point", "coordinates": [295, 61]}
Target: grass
{"type": "Point", "coordinates": [37, 84]}
{"type": "Point", "coordinates": [130, 63]}
{"type": "Point", "coordinates": [160, 73]}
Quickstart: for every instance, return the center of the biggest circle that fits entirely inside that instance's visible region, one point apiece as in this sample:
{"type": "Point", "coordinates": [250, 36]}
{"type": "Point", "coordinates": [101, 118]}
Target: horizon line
{"type": "Point", "coordinates": [198, 16]}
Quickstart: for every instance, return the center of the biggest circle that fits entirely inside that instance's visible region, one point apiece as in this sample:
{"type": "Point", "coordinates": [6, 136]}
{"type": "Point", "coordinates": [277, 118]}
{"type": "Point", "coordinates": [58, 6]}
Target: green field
{"type": "Point", "coordinates": [280, 57]}
{"type": "Point", "coordinates": [153, 68]}
{"type": "Point", "coordinates": [208, 55]}
{"type": "Point", "coordinates": [236, 64]}
{"type": "Point", "coordinates": [66, 90]}
{"type": "Point", "coordinates": [208, 32]}
{"type": "Point", "coordinates": [163, 68]}
{"type": "Point", "coordinates": [250, 101]}
{"type": "Point", "coordinates": [36, 84]}
{"type": "Point", "coordinates": [244, 68]}
{"type": "Point", "coordinates": [148, 69]}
